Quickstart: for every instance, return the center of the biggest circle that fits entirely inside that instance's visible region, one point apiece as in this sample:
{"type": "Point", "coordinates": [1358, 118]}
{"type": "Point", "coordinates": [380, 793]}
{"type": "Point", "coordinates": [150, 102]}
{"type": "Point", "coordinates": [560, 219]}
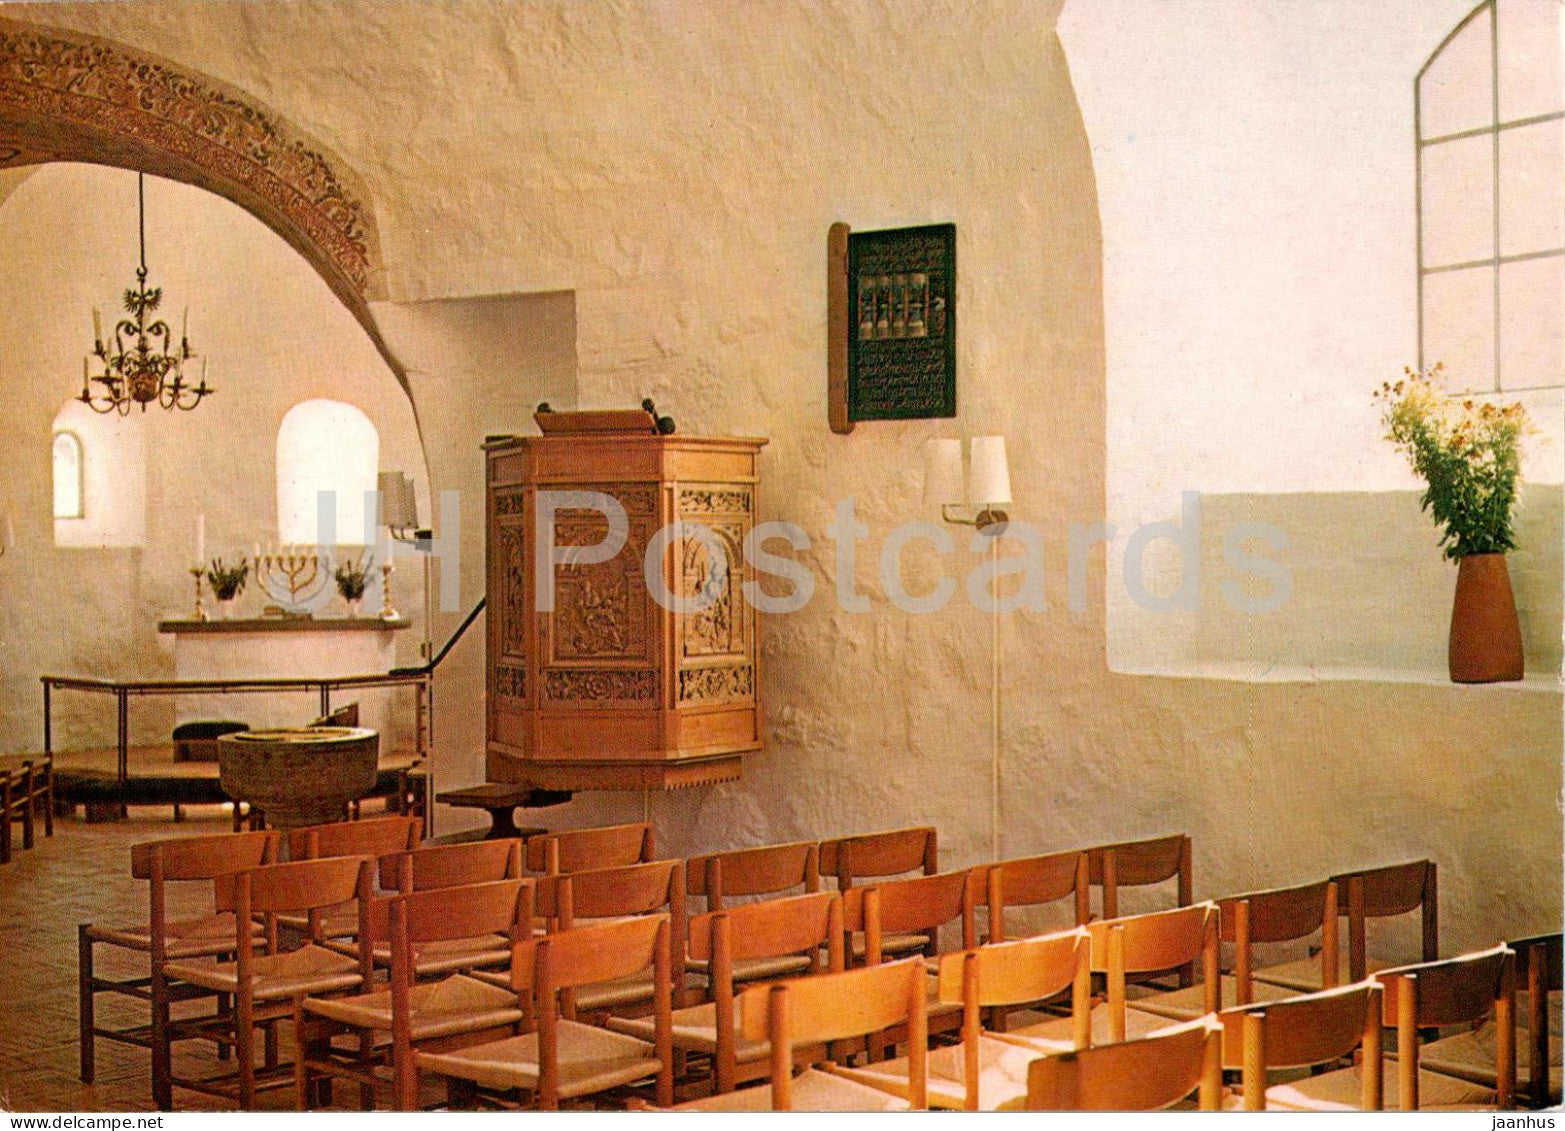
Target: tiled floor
{"type": "Point", "coordinates": [82, 875]}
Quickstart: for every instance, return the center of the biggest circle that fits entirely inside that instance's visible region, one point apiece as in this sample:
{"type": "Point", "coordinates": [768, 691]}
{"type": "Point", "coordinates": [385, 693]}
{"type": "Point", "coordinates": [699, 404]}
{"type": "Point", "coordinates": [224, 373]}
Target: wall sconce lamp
{"type": "Point", "coordinates": [976, 498]}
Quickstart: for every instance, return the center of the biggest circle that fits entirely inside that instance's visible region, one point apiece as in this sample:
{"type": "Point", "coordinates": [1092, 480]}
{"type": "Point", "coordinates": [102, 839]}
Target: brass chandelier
{"type": "Point", "coordinates": [140, 364]}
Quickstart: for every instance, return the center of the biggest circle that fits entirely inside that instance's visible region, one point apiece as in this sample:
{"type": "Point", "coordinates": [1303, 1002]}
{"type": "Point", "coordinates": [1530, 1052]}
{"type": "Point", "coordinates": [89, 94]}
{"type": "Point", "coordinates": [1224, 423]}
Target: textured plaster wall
{"type": "Point", "coordinates": [274, 336]}
{"type": "Point", "coordinates": [676, 165]}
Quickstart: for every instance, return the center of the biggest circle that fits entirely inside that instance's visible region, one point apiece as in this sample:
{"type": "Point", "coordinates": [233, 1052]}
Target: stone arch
{"type": "Point", "coordinates": [67, 96]}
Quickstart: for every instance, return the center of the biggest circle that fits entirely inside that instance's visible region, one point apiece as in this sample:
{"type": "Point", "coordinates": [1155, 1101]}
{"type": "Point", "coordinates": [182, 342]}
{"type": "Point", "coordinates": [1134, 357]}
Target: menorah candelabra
{"type": "Point", "coordinates": [293, 576]}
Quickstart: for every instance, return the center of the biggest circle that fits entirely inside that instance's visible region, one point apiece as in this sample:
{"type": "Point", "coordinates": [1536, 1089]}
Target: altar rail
{"type": "Point", "coordinates": [420, 679]}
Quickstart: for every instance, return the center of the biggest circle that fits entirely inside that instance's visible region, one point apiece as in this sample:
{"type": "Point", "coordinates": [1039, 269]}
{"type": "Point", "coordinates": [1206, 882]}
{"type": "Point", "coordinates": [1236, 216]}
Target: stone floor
{"type": "Point", "coordinates": [82, 874]}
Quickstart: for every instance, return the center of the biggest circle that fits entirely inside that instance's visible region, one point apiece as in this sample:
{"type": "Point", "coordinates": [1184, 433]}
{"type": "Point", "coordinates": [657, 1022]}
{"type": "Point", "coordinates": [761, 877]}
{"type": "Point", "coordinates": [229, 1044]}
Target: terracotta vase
{"type": "Point", "coordinates": [1486, 637]}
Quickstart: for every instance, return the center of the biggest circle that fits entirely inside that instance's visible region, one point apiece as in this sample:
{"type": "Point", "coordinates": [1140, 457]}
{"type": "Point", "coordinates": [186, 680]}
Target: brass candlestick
{"type": "Point", "coordinates": [296, 572]}
{"type": "Point", "coordinates": [387, 612]}
{"type": "Point", "coordinates": [197, 573]}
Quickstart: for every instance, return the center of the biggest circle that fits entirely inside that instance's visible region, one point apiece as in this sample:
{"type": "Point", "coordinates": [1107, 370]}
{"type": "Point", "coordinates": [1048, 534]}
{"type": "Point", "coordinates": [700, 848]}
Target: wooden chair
{"type": "Point", "coordinates": [771, 871]}
{"type": "Point", "coordinates": [820, 1010]}
{"type": "Point", "coordinates": [584, 850]}
{"type": "Point", "coordinates": [1123, 949]}
{"type": "Point", "coordinates": [850, 860]}
{"type": "Point", "coordinates": [265, 988]}
{"type": "Point", "coordinates": [1142, 863]}
{"type": "Point", "coordinates": [1034, 881]}
{"type": "Point", "coordinates": [433, 868]}
{"type": "Point", "coordinates": [913, 908]}
{"type": "Point", "coordinates": [988, 1072]}
{"type": "Point", "coordinates": [25, 788]}
{"type": "Point", "coordinates": [1370, 893]}
{"type": "Point", "coordinates": [575, 899]}
{"type": "Point", "coordinates": [1433, 995]}
{"type": "Point", "coordinates": [1305, 1032]}
{"type": "Point", "coordinates": [428, 1015]}
{"type": "Point", "coordinates": [1471, 1055]}
{"type": "Point", "coordinates": [1278, 915]}
{"type": "Point", "coordinates": [879, 925]}
{"type": "Point", "coordinates": [749, 934]}
{"type": "Point", "coordinates": [1146, 1074]}
{"type": "Point", "coordinates": [376, 837]}
{"type": "Point", "coordinates": [565, 1059]}
{"type": "Point", "coordinates": [160, 863]}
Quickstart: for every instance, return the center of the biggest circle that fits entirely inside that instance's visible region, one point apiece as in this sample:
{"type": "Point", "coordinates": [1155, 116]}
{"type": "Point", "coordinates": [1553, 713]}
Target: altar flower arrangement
{"type": "Point", "coordinates": [1469, 455]}
{"type": "Point", "coordinates": [227, 581]}
{"type": "Point", "coordinates": [352, 577]}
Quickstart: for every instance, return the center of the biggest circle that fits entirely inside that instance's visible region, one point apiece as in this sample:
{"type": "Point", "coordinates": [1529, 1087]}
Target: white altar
{"type": "Point", "coordinates": [290, 648]}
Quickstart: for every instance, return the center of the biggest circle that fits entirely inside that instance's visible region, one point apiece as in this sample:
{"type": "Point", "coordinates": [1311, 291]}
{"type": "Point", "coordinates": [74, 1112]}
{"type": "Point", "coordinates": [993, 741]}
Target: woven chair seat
{"type": "Point", "coordinates": [1471, 1056]}
{"type": "Point", "coordinates": [812, 1090]}
{"type": "Point", "coordinates": [1189, 1003]}
{"type": "Point", "coordinates": [1002, 1073]}
{"type": "Point", "coordinates": [591, 1060]}
{"type": "Point", "coordinates": [1058, 1033]}
{"type": "Point", "coordinates": [309, 970]}
{"type": "Point", "coordinates": [443, 957]}
{"type": "Point", "coordinates": [695, 1030]}
{"type": "Point", "coordinates": [437, 1009]}
{"type": "Point", "coordinates": [1303, 974]}
{"type": "Point", "coordinates": [336, 922]}
{"type": "Point", "coordinates": [751, 969]}
{"type": "Point", "coordinates": [891, 944]}
{"type": "Point", "coordinates": [189, 938]}
{"type": "Point", "coordinates": [1342, 1091]}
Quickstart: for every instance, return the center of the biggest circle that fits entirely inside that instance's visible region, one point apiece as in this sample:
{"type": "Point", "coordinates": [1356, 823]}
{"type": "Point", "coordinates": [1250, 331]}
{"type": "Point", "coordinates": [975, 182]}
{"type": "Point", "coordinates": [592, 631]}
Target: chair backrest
{"type": "Point", "coordinates": [1016, 973]}
{"type": "Point", "coordinates": [1539, 967]}
{"type": "Point", "coordinates": [500, 907]}
{"type": "Point", "coordinates": [1034, 881]}
{"type": "Point", "coordinates": [922, 904]}
{"type": "Point", "coordinates": [201, 857]}
{"type": "Point", "coordinates": [295, 887]}
{"type": "Point", "coordinates": [1146, 1074]}
{"type": "Point", "coordinates": [1142, 863]}
{"type": "Point", "coordinates": [849, 859]}
{"type": "Point", "coordinates": [451, 865]}
{"type": "Point", "coordinates": [800, 924]}
{"type": "Point", "coordinates": [1159, 940]}
{"type": "Point", "coordinates": [1304, 1031]}
{"type": "Point", "coordinates": [769, 870]}
{"type": "Point", "coordinates": [375, 836]}
{"type": "Point", "coordinates": [1454, 991]}
{"type": "Point", "coordinates": [610, 893]}
{"type": "Point", "coordinates": [1280, 915]}
{"type": "Point", "coordinates": [1383, 892]}
{"type": "Point", "coordinates": [581, 850]}
{"type": "Point", "coordinates": [833, 1007]}
{"type": "Point", "coordinates": [551, 967]}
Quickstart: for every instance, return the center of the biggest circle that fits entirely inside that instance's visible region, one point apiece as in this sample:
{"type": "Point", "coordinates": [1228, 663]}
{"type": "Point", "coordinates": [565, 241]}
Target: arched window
{"type": "Point", "coordinates": [1490, 120]}
{"type": "Point", "coordinates": [68, 476]}
{"type": "Point", "coordinates": [328, 453]}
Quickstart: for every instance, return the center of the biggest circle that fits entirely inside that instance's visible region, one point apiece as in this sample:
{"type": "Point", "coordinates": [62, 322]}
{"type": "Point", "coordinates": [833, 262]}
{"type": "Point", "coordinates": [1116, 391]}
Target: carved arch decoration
{"type": "Point", "coordinates": [68, 96]}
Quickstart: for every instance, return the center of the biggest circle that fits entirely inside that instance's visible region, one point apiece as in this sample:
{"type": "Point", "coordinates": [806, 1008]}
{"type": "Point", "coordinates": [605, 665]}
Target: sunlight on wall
{"type": "Point", "coordinates": [325, 447]}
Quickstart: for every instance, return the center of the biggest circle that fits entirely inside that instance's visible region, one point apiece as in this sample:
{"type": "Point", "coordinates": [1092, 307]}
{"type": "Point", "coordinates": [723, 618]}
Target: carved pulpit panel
{"type": "Point", "coordinates": [612, 688]}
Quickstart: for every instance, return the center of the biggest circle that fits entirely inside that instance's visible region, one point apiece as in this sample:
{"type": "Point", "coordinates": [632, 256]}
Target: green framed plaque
{"type": "Point", "coordinates": [902, 323]}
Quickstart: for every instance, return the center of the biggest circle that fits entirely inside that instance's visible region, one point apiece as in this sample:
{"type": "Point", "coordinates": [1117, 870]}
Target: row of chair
{"type": "Point", "coordinates": [26, 799]}
{"type": "Point", "coordinates": [494, 972]}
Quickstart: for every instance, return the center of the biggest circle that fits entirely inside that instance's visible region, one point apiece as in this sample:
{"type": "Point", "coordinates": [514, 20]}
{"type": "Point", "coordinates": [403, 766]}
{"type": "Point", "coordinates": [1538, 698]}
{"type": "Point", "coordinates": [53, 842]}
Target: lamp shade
{"type": "Point", "coordinates": [943, 472]}
{"type": "Point", "coordinates": [989, 478]}
{"type": "Point", "coordinates": [396, 500]}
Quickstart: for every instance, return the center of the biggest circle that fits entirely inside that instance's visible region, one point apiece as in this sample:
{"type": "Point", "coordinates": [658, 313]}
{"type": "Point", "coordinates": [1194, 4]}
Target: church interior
{"type": "Point", "coordinates": [819, 555]}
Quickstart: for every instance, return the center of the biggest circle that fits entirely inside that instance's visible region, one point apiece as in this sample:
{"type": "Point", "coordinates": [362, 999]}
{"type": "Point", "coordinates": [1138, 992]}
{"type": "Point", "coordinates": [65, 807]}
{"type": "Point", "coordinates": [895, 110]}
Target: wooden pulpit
{"type": "Point", "coordinates": [635, 673]}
